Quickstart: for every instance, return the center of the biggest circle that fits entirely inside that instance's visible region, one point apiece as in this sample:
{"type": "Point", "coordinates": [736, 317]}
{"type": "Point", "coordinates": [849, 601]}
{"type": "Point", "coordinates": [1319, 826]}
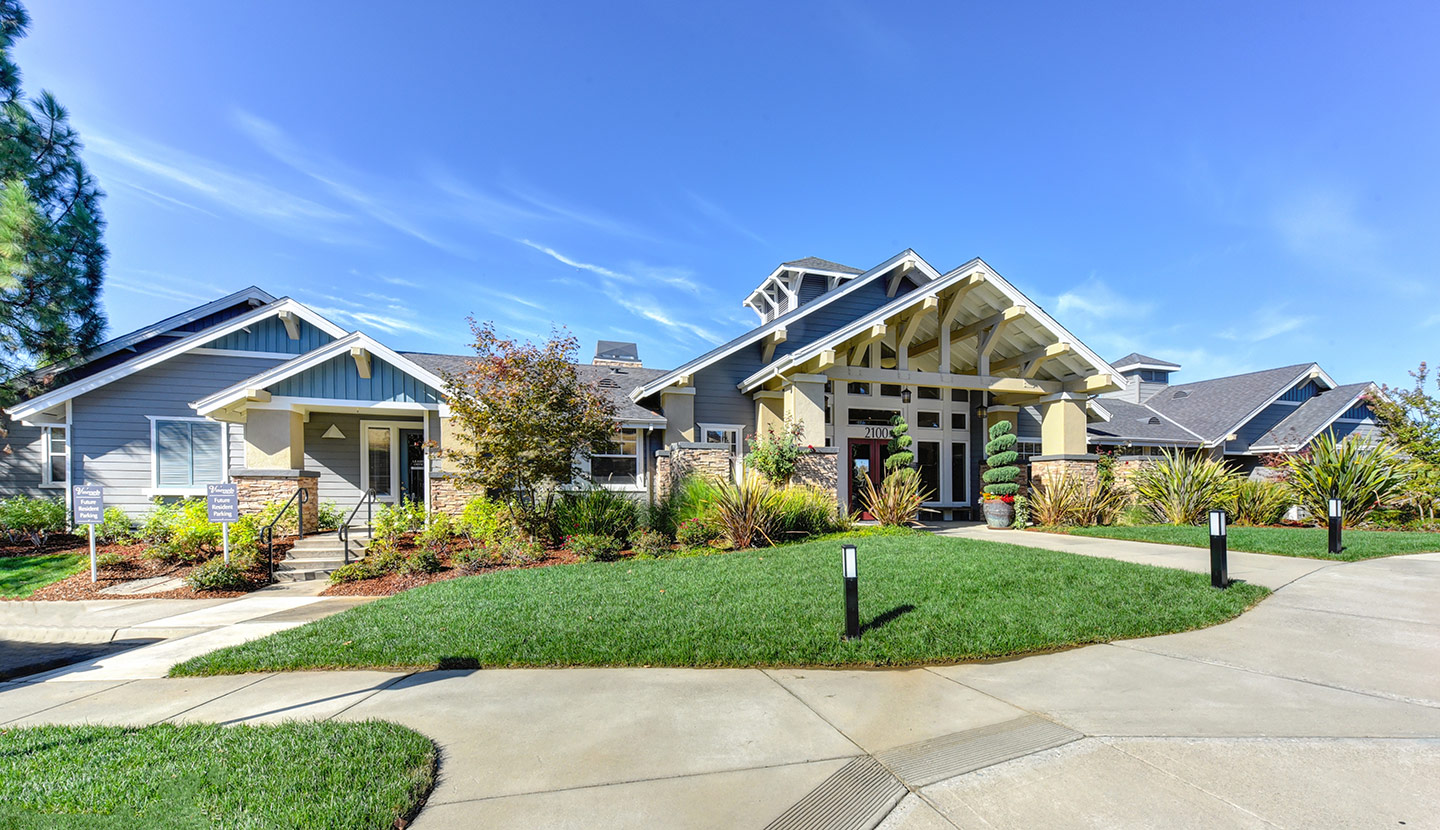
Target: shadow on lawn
{"type": "Point", "coordinates": [887, 617]}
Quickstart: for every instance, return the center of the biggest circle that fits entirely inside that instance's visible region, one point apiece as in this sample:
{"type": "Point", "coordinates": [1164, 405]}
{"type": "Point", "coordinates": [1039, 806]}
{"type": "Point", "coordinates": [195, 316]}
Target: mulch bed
{"type": "Point", "coordinates": [390, 584]}
{"type": "Point", "coordinates": [79, 586]}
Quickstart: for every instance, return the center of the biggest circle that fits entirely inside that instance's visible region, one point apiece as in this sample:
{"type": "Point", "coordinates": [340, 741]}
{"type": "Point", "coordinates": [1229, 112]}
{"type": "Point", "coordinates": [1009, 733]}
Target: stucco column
{"type": "Point", "coordinates": [1062, 425]}
{"type": "Point", "coordinates": [769, 412]}
{"type": "Point", "coordinates": [805, 405]}
{"type": "Point", "coordinates": [678, 404]}
{"type": "Point", "coordinates": [274, 440]}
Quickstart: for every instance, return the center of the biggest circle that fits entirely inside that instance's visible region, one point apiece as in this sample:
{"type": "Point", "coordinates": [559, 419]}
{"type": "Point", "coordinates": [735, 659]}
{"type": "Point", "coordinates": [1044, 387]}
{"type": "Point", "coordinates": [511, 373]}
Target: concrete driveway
{"type": "Point", "coordinates": [1320, 708]}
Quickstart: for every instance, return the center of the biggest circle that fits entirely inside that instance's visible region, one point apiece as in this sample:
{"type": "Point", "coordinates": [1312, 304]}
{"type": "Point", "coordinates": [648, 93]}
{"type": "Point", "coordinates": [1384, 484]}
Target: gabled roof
{"type": "Point", "coordinates": [1135, 360]}
{"type": "Point", "coordinates": [170, 325]}
{"type": "Point", "coordinates": [616, 382]}
{"type": "Point", "coordinates": [930, 289]}
{"type": "Point", "coordinates": [754, 335]}
{"type": "Point", "coordinates": [1132, 423]}
{"type": "Point", "coordinates": [315, 357]}
{"type": "Point", "coordinates": [815, 263]}
{"type": "Point", "coordinates": [40, 403]}
{"type": "Point", "coordinates": [1311, 418]}
{"type": "Point", "coordinates": [1219, 407]}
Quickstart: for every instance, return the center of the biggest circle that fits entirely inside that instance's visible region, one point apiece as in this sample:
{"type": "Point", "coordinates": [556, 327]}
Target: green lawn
{"type": "Point", "coordinates": [21, 576]}
{"type": "Point", "coordinates": [924, 599]}
{"type": "Point", "coordinates": [1284, 541]}
{"type": "Point", "coordinates": [302, 774]}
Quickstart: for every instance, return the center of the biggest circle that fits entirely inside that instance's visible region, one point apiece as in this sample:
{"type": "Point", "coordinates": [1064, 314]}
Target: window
{"type": "Point", "coordinates": [959, 394]}
{"type": "Point", "coordinates": [927, 420]}
{"type": "Point", "coordinates": [889, 390]}
{"type": "Point", "coordinates": [378, 457]}
{"type": "Point", "coordinates": [1027, 449]}
{"type": "Point", "coordinates": [957, 421]}
{"type": "Point", "coordinates": [871, 417]}
{"type": "Point", "coordinates": [188, 454]}
{"type": "Point", "coordinates": [929, 393]}
{"type": "Point", "coordinates": [56, 451]}
{"type": "Point", "coordinates": [618, 463]}
{"type": "Point", "coordinates": [959, 473]}
{"type": "Point", "coordinates": [858, 388]}
{"type": "Point", "coordinates": [727, 434]}
{"type": "Point", "coordinates": [927, 456]}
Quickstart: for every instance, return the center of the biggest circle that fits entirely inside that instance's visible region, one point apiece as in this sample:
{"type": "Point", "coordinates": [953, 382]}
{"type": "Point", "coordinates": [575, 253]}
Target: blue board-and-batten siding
{"type": "Point", "coordinates": [1302, 393]}
{"type": "Point", "coordinates": [339, 379]}
{"type": "Point", "coordinates": [270, 335]}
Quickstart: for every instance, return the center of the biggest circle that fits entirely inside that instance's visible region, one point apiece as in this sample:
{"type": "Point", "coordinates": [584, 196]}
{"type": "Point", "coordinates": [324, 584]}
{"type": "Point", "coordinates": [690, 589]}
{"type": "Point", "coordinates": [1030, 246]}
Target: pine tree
{"type": "Point", "coordinates": [52, 258]}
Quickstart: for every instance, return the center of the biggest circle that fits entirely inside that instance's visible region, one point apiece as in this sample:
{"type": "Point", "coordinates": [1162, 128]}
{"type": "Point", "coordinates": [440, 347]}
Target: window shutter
{"type": "Point", "coordinates": [205, 453]}
{"type": "Point", "coordinates": [172, 453]}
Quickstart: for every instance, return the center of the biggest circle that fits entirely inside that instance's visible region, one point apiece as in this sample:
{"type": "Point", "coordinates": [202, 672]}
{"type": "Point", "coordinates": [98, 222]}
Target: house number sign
{"type": "Point", "coordinates": [878, 432]}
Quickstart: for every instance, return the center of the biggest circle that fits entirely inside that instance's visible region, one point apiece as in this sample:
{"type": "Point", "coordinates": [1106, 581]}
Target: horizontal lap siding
{"type": "Point", "coordinates": [110, 439]}
{"type": "Point", "coordinates": [337, 460]}
{"type": "Point", "coordinates": [20, 463]}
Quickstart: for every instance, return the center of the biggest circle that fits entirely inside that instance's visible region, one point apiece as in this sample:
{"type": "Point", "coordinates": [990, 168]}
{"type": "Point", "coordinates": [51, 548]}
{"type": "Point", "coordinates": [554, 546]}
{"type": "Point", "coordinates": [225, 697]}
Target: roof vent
{"type": "Point", "coordinates": [1153, 421]}
{"type": "Point", "coordinates": [1182, 394]}
{"type": "Point", "coordinates": [608, 383]}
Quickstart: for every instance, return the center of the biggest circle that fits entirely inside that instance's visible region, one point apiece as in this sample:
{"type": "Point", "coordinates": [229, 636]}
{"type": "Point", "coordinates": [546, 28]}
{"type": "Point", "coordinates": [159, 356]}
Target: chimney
{"type": "Point", "coordinates": [617, 353]}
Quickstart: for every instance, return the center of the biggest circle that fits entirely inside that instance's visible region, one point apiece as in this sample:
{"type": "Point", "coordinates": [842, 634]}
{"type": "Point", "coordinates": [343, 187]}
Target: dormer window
{"type": "Point", "coordinates": [1153, 376]}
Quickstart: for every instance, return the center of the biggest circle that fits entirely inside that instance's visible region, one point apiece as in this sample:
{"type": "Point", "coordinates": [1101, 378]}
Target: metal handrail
{"type": "Point", "coordinates": [367, 500]}
{"type": "Point", "coordinates": [267, 533]}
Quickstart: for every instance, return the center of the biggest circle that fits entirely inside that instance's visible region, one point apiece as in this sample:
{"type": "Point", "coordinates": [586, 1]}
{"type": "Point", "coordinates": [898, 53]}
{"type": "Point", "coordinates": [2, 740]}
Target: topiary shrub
{"type": "Point", "coordinates": [1001, 473]}
{"type": "Point", "coordinates": [900, 456]}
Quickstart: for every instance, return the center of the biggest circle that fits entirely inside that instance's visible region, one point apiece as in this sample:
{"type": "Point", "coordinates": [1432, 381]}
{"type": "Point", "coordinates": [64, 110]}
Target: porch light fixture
{"type": "Point", "coordinates": [905, 395]}
{"type": "Point", "coordinates": [1336, 514]}
{"type": "Point", "coordinates": [1219, 569]}
{"type": "Point", "coordinates": [849, 566]}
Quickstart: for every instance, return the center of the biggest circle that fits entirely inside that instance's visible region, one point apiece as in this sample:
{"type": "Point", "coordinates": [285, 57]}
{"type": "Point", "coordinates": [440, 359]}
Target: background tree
{"type": "Point", "coordinates": [52, 258]}
{"type": "Point", "coordinates": [523, 418]}
{"type": "Point", "coordinates": [1410, 420]}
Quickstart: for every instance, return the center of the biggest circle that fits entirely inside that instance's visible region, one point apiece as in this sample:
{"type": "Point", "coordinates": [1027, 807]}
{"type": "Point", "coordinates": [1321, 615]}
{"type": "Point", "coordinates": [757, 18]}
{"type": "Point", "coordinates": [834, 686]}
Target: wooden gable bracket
{"type": "Point", "coordinates": [257, 396]}
{"type": "Point", "coordinates": [863, 341]}
{"type": "Point", "coordinates": [990, 339]}
{"type": "Point", "coordinates": [901, 272]}
{"type": "Point", "coordinates": [772, 340]}
{"type": "Point", "coordinates": [292, 324]}
{"type": "Point", "coordinates": [972, 329]}
{"type": "Point", "coordinates": [818, 364]}
{"type": "Point", "coordinates": [1029, 363]}
{"type": "Point", "coordinates": [909, 327]}
{"type": "Point", "coordinates": [362, 360]}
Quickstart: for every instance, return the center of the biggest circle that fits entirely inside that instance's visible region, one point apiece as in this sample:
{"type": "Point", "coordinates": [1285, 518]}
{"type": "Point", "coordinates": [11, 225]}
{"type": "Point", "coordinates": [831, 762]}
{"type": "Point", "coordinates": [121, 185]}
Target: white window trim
{"type": "Point", "coordinates": [155, 489]}
{"type": "Point", "coordinates": [737, 448]}
{"type": "Point", "coordinates": [642, 439]}
{"type": "Point", "coordinates": [46, 454]}
{"type": "Point", "coordinates": [394, 427]}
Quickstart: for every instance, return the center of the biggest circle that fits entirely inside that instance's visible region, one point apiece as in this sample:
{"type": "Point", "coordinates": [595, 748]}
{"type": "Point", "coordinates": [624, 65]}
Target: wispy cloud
{"type": "Point", "coordinates": [575, 263]}
{"type": "Point", "coordinates": [557, 207]}
{"type": "Point", "coordinates": [1094, 298]}
{"type": "Point", "coordinates": [1265, 324]}
{"type": "Point", "coordinates": [721, 216]}
{"type": "Point", "coordinates": [1323, 223]}
{"type": "Point", "coordinates": [161, 286]}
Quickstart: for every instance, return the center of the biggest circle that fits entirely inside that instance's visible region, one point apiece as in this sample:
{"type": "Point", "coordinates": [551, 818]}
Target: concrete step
{"type": "Point", "coordinates": [309, 564]}
{"type": "Point", "coordinates": [302, 576]}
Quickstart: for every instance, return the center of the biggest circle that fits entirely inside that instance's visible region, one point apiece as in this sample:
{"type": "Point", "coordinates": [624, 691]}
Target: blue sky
{"type": "Point", "coordinates": [1231, 186]}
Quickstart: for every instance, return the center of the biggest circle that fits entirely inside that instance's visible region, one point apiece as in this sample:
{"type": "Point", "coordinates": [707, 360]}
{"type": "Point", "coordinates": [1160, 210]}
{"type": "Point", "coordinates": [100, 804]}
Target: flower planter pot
{"type": "Point", "coordinates": [999, 515]}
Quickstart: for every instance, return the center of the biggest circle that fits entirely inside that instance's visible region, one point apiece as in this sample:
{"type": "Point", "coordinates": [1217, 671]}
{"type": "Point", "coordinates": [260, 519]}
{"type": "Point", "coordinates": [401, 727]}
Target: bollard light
{"type": "Point", "coordinates": [1219, 567]}
{"type": "Point", "coordinates": [850, 567]}
{"type": "Point", "coordinates": [1337, 515]}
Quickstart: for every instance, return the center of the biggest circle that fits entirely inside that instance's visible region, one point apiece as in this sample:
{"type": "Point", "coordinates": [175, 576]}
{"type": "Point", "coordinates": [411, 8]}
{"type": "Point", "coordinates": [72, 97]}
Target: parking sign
{"type": "Point", "coordinates": [89, 504]}
{"type": "Point", "coordinates": [222, 503]}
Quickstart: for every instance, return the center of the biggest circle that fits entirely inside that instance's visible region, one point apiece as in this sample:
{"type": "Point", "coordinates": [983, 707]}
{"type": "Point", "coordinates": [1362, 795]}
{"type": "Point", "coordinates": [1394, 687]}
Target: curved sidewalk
{"type": "Point", "coordinates": [1321, 707]}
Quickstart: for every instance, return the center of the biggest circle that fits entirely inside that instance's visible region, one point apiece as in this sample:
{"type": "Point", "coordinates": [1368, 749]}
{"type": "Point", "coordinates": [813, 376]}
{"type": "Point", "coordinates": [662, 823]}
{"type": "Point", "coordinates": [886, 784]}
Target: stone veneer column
{"type": "Point", "coordinates": [257, 488]}
{"type": "Point", "coordinates": [448, 495]}
{"type": "Point", "coordinates": [819, 467]}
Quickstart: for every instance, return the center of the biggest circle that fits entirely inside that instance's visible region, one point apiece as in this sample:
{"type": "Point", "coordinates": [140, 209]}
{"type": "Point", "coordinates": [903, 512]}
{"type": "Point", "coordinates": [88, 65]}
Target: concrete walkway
{"type": "Point", "coordinates": [1320, 708]}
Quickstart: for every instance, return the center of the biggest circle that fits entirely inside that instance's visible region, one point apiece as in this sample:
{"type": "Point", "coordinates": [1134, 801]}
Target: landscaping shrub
{"type": "Point", "coordinates": [483, 520]}
{"type": "Point", "coordinates": [114, 527]}
{"type": "Point", "coordinates": [382, 557]}
{"type": "Point", "coordinates": [392, 520]}
{"type": "Point", "coordinates": [353, 572]}
{"type": "Point", "coordinates": [647, 542]}
{"type": "Point", "coordinates": [775, 454]}
{"type": "Point", "coordinates": [593, 547]}
{"type": "Point", "coordinates": [32, 519]}
{"type": "Point", "coordinates": [1363, 476]}
{"type": "Point", "coordinates": [694, 498]}
{"type": "Point", "coordinates": [439, 535]}
{"type": "Point", "coordinates": [695, 532]}
{"type": "Point", "coordinates": [156, 527]}
{"type": "Point", "coordinates": [188, 536]}
{"type": "Point", "coordinates": [1022, 513]}
{"type": "Point", "coordinates": [1252, 502]}
{"type": "Point", "coordinates": [897, 501]}
{"type": "Point", "coordinates": [1000, 456]}
{"type": "Point", "coordinates": [659, 516]}
{"type": "Point", "coordinates": [286, 523]}
{"type": "Point", "coordinates": [1182, 487]}
{"type": "Point", "coordinates": [516, 549]}
{"type": "Point", "coordinates": [421, 561]}
{"type": "Point", "coordinates": [330, 515]}
{"type": "Point", "coordinates": [803, 510]}
{"type": "Point", "coordinates": [745, 512]}
{"type": "Point", "coordinates": [1071, 501]}
{"type": "Point", "coordinates": [596, 512]}
{"type": "Point", "coordinates": [111, 560]}
{"type": "Point", "coordinates": [475, 559]}
{"type": "Point", "coordinates": [216, 575]}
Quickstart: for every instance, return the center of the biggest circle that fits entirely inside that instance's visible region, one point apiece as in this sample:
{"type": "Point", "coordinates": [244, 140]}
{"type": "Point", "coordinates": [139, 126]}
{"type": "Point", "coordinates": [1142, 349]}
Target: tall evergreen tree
{"type": "Point", "coordinates": [52, 257]}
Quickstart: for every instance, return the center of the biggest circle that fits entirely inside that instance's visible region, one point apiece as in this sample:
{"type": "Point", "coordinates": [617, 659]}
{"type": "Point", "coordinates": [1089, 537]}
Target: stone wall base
{"type": "Point", "coordinates": [820, 468]}
{"type": "Point", "coordinates": [448, 495]}
{"type": "Point", "coordinates": [1047, 470]}
{"type": "Point", "coordinates": [679, 461]}
{"type": "Point", "coordinates": [256, 489]}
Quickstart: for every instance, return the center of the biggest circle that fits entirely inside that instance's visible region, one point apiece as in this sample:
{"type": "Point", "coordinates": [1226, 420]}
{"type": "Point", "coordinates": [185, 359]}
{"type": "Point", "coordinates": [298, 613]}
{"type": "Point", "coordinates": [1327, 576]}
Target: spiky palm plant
{"type": "Point", "coordinates": [745, 511]}
{"type": "Point", "coordinates": [1363, 476]}
{"type": "Point", "coordinates": [1182, 487]}
{"type": "Point", "coordinates": [1071, 501]}
{"type": "Point", "coordinates": [1251, 502]}
{"type": "Point", "coordinates": [898, 499]}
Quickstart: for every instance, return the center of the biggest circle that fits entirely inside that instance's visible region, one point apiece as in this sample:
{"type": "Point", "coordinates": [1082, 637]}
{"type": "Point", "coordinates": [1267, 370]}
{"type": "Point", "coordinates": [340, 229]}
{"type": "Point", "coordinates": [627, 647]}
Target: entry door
{"type": "Point", "coordinates": [867, 459]}
{"type": "Point", "coordinates": [412, 478]}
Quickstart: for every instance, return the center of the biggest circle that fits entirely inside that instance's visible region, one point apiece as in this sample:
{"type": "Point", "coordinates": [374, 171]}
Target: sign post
{"type": "Point", "coordinates": [88, 502]}
{"type": "Point", "coordinates": [222, 504]}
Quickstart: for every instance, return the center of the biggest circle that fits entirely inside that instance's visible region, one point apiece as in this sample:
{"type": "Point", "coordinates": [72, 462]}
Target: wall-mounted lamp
{"type": "Point", "coordinates": [905, 395]}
